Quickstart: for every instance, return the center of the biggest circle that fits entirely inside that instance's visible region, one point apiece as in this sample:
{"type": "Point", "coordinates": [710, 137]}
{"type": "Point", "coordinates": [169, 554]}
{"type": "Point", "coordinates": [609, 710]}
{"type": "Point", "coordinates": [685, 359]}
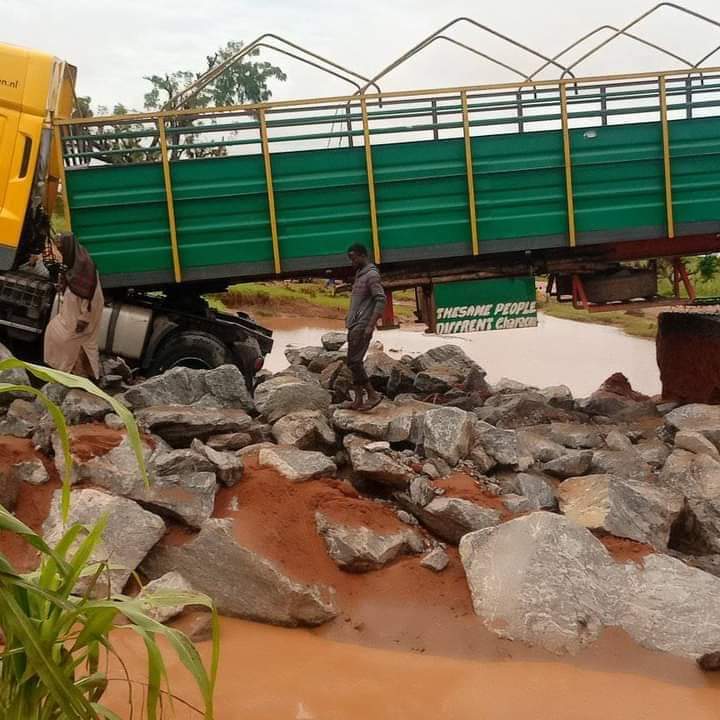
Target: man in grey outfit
{"type": "Point", "coordinates": [367, 303]}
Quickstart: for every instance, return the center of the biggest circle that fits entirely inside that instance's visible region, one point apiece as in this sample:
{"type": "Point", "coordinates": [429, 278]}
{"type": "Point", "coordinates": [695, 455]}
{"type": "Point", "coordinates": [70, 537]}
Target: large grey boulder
{"type": "Point", "coordinates": [302, 355]}
{"type": "Point", "coordinates": [696, 443]}
{"type": "Point", "coordinates": [179, 425]}
{"type": "Point", "coordinates": [378, 422]}
{"type": "Point", "coordinates": [504, 448]}
{"type": "Point", "coordinates": [448, 355]}
{"type": "Point", "coordinates": [671, 607]}
{"type": "Point", "coordinates": [379, 367]}
{"type": "Point", "coordinates": [305, 429]}
{"type": "Point", "coordinates": [540, 579]}
{"type": "Point", "coordinates": [625, 464]}
{"type": "Point", "coordinates": [438, 379]}
{"type": "Point", "coordinates": [33, 472]}
{"type": "Point", "coordinates": [333, 340]}
{"type": "Point", "coordinates": [79, 406]}
{"type": "Point", "coordinates": [524, 410]}
{"type": "Point", "coordinates": [169, 582]}
{"type": "Point", "coordinates": [222, 387]}
{"type": "Point", "coordinates": [285, 394]}
{"type": "Point", "coordinates": [401, 380]}
{"type": "Point", "coordinates": [447, 433]}
{"type": "Point", "coordinates": [697, 477]}
{"type": "Point", "coordinates": [575, 436]}
{"type": "Point", "coordinates": [573, 463]}
{"type": "Point", "coordinates": [297, 465]}
{"type": "Point", "coordinates": [360, 549]}
{"type": "Point", "coordinates": [16, 376]}
{"type": "Point", "coordinates": [640, 511]}
{"type": "Point", "coordinates": [536, 489]}
{"type": "Point", "coordinates": [654, 452]}
{"type": "Point", "coordinates": [241, 582]}
{"type": "Point", "coordinates": [181, 485]}
{"type": "Point", "coordinates": [436, 560]}
{"type": "Point", "coordinates": [129, 535]}
{"type": "Point", "coordinates": [379, 467]}
{"type": "Point", "coordinates": [22, 419]}
{"type": "Point", "coordinates": [450, 518]}
{"type": "Point", "coordinates": [228, 466]}
{"type": "Point", "coordinates": [695, 417]}
{"type": "Point", "coordinates": [323, 360]}
{"type": "Point", "coordinates": [541, 448]}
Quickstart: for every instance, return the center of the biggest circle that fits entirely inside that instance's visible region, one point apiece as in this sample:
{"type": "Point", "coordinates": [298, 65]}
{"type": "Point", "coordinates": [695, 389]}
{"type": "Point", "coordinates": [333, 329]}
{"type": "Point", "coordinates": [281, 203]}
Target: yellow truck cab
{"type": "Point", "coordinates": [35, 89]}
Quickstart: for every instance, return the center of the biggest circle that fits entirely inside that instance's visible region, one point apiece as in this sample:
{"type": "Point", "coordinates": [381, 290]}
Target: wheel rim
{"type": "Point", "coordinates": [191, 361]}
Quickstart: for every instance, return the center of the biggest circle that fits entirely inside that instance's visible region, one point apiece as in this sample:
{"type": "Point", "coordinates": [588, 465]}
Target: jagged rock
{"type": "Point", "coordinates": [536, 489]}
{"type": "Point", "coordinates": [239, 581]}
{"type": "Point", "coordinates": [575, 436]}
{"type": "Point", "coordinates": [376, 423]}
{"type": "Point", "coordinates": [450, 517]}
{"type": "Point", "coordinates": [706, 563]}
{"type": "Point", "coordinates": [421, 491]}
{"type": "Point", "coordinates": [575, 462]}
{"type": "Point", "coordinates": [438, 379]}
{"type": "Point", "coordinates": [407, 518]}
{"type": "Point", "coordinates": [222, 387]}
{"type": "Point", "coordinates": [379, 467]}
{"type": "Point", "coordinates": [378, 446]}
{"type": "Point", "coordinates": [166, 461]}
{"type": "Point", "coordinates": [113, 421]}
{"type": "Point", "coordinates": [323, 360]}
{"type": "Point", "coordinates": [476, 384]}
{"type": "Point", "coordinates": [9, 489]}
{"type": "Point", "coordinates": [255, 448]}
{"type": "Point", "coordinates": [540, 579]}
{"type": "Point", "coordinates": [671, 607]}
{"type": "Point", "coordinates": [172, 581]}
{"type": "Point", "coordinates": [333, 340]}
{"type": "Point", "coordinates": [129, 535]}
{"type": "Point", "coordinates": [199, 627]}
{"type": "Point", "coordinates": [615, 440]}
{"type": "Point", "coordinates": [22, 419]}
{"type": "Point", "coordinates": [228, 466]}
{"type": "Point", "coordinates": [285, 394]}
{"type": "Point", "coordinates": [180, 425]}
{"type": "Point", "coordinates": [401, 380]}
{"type": "Point", "coordinates": [360, 549]}
{"type": "Point", "coordinates": [337, 378]}
{"type": "Point", "coordinates": [517, 503]}
{"type": "Point", "coordinates": [696, 443]}
{"type": "Point", "coordinates": [558, 396]}
{"type": "Point", "coordinates": [640, 511]}
{"type": "Point", "coordinates": [116, 366]}
{"type": "Point", "coordinates": [503, 447]}
{"type": "Point", "coordinates": [447, 355]}
{"type": "Point", "coordinates": [32, 472]}
{"type": "Point", "coordinates": [302, 356]}
{"type": "Point", "coordinates": [230, 441]}
{"type": "Point", "coordinates": [306, 430]}
{"type": "Point", "coordinates": [518, 411]}
{"type": "Point", "coordinates": [549, 582]}
{"type": "Point", "coordinates": [298, 373]}
{"type": "Point", "coordinates": [697, 477]}
{"type": "Point", "coordinates": [606, 404]}
{"type": "Point", "coordinates": [481, 460]}
{"type": "Point", "coordinates": [627, 464]}
{"type": "Point", "coordinates": [297, 465]}
{"type": "Point", "coordinates": [540, 448]}
{"type": "Point", "coordinates": [507, 385]}
{"type": "Point", "coordinates": [437, 559]}
{"type": "Point", "coordinates": [80, 407]}
{"type": "Point", "coordinates": [704, 419]}
{"type": "Point", "coordinates": [653, 452]}
{"type": "Point", "coordinates": [379, 367]}
{"type": "Point", "coordinates": [16, 376]}
{"type": "Point", "coordinates": [447, 434]}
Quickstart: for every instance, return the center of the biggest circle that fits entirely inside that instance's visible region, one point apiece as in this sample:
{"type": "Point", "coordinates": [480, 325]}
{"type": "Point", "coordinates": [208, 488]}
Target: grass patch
{"type": "Point", "coordinates": [630, 322]}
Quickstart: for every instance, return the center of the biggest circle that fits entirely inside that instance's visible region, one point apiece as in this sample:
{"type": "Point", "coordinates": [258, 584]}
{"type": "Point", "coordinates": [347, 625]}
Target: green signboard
{"type": "Point", "coordinates": [476, 305]}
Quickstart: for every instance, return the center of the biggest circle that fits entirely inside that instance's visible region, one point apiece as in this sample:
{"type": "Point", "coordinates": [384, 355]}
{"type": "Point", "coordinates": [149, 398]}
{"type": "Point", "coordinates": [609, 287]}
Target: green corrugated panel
{"type": "Point", "coordinates": [322, 203]}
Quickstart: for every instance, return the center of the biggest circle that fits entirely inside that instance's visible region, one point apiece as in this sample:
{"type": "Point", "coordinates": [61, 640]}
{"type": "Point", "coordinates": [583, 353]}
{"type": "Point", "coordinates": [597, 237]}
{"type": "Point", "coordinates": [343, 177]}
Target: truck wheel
{"type": "Point", "coordinates": [194, 349]}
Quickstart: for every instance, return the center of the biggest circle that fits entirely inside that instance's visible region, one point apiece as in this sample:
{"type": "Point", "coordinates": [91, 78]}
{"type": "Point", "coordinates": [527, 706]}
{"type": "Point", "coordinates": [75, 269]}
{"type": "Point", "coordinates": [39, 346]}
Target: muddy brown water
{"type": "Point", "coordinates": [556, 352]}
{"type": "Point", "coordinates": [269, 673]}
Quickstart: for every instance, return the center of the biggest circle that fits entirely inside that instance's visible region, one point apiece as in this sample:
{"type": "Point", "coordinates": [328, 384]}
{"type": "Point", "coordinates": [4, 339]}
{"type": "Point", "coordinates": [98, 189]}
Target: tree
{"type": "Point", "coordinates": [243, 82]}
{"type": "Point", "coordinates": [240, 83]}
{"type": "Point", "coordinates": [707, 266]}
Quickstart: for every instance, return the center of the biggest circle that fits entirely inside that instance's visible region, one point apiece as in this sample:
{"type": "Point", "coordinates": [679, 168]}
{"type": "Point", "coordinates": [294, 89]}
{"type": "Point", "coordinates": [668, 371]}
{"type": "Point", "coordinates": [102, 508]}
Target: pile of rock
{"type": "Point", "coordinates": [550, 477]}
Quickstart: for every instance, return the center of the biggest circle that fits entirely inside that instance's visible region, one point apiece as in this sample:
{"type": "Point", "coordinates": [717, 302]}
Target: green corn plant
{"type": "Point", "coordinates": [58, 644]}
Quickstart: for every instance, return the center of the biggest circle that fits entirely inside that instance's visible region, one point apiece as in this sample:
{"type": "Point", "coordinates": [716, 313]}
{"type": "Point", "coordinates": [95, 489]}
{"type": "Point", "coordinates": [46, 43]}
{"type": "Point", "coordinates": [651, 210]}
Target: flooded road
{"type": "Point", "coordinates": [269, 673]}
{"type": "Point", "coordinates": [556, 352]}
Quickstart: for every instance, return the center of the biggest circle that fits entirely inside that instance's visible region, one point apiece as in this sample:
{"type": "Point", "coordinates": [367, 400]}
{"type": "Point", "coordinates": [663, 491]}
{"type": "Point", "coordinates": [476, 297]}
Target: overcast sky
{"type": "Point", "coordinates": [115, 44]}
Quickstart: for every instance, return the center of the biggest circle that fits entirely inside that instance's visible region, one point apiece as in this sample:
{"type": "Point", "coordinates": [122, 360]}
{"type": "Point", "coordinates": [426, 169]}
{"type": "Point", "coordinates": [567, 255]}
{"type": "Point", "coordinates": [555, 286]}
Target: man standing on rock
{"type": "Point", "coordinates": [367, 303]}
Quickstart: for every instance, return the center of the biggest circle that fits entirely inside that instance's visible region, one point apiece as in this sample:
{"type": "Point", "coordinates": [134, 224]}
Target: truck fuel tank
{"type": "Point", "coordinates": [124, 329]}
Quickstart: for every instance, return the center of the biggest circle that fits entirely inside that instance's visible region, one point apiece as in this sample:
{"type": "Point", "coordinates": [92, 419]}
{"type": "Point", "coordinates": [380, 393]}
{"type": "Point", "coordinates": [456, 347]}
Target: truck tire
{"type": "Point", "coordinates": [193, 349]}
